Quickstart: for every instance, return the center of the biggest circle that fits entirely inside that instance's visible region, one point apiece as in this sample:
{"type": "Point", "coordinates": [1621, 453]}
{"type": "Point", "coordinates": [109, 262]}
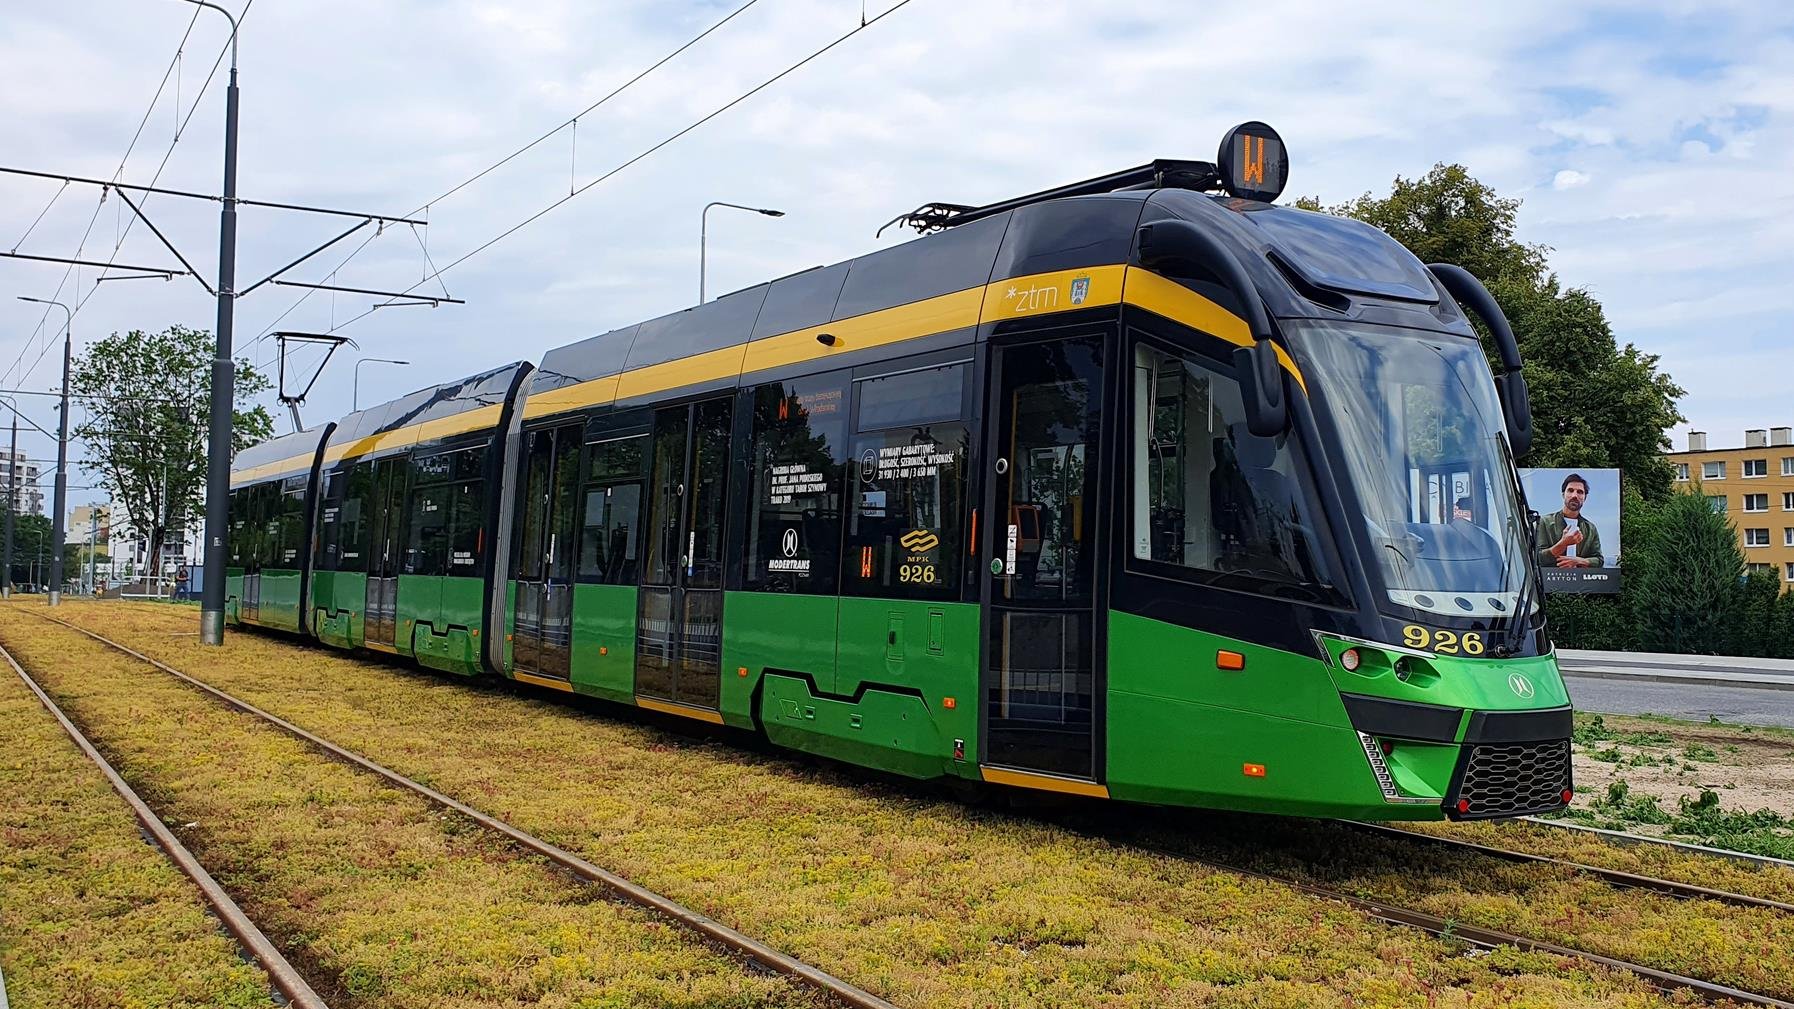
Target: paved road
{"type": "Point", "coordinates": [1748, 705]}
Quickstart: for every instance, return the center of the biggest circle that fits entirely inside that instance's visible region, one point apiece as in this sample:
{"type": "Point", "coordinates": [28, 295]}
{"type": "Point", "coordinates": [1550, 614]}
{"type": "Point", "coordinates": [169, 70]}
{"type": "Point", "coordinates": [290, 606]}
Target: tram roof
{"type": "Point", "coordinates": [281, 456]}
{"type": "Point", "coordinates": [467, 404]}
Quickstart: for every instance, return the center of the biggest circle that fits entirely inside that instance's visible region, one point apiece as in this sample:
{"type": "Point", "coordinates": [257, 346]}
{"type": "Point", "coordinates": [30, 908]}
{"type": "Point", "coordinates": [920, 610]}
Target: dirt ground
{"type": "Point", "coordinates": [1748, 767]}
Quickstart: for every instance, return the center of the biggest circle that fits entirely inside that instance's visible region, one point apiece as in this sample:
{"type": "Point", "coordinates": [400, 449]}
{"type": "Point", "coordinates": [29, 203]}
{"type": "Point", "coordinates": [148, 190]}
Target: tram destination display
{"type": "Point", "coordinates": [1577, 539]}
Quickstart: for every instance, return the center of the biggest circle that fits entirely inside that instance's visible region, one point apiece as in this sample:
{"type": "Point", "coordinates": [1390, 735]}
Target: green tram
{"type": "Point", "coordinates": [1128, 489]}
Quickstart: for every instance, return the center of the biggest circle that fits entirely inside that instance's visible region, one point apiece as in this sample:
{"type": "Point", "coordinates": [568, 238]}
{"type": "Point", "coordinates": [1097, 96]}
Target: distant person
{"type": "Point", "coordinates": [1573, 540]}
{"type": "Point", "coordinates": [1461, 511]}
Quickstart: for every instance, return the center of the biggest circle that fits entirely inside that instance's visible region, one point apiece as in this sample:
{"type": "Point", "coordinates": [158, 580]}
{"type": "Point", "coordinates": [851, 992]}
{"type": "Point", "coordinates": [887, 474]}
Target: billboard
{"type": "Point", "coordinates": [1577, 541]}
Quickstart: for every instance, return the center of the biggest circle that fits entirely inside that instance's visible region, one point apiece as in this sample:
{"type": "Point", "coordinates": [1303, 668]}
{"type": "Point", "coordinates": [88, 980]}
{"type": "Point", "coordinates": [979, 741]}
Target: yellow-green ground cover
{"type": "Point", "coordinates": [927, 902]}
{"type": "Point", "coordinates": [90, 914]}
{"type": "Point", "coordinates": [379, 898]}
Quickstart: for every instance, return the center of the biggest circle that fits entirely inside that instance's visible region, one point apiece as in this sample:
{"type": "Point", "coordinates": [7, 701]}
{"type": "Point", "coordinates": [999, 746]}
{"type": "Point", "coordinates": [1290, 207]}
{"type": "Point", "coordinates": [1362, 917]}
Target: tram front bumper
{"type": "Point", "coordinates": [1475, 764]}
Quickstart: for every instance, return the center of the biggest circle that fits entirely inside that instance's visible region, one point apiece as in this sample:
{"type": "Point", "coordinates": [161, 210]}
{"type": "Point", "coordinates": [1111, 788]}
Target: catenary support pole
{"type": "Point", "coordinates": [12, 504]}
{"type": "Point", "coordinates": [218, 449]}
{"type": "Point", "coordinates": [57, 518]}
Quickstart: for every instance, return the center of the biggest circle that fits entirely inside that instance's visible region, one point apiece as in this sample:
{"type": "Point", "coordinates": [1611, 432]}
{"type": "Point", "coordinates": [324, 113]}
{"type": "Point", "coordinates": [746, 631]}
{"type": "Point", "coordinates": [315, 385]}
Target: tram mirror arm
{"type": "Point", "coordinates": [1180, 248]}
{"type": "Point", "coordinates": [1476, 299]}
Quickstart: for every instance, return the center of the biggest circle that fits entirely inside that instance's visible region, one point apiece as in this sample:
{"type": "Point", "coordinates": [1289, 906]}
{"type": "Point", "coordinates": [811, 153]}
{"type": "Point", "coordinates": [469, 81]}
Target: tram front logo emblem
{"type": "Point", "coordinates": [1080, 289]}
{"type": "Point", "coordinates": [790, 543]}
{"type": "Point", "coordinates": [1520, 685]}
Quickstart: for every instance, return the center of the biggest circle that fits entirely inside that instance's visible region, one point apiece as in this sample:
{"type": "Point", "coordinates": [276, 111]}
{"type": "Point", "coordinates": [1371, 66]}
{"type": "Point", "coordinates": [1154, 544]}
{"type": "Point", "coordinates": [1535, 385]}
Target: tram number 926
{"type": "Point", "coordinates": [916, 574]}
{"type": "Point", "coordinates": [1445, 642]}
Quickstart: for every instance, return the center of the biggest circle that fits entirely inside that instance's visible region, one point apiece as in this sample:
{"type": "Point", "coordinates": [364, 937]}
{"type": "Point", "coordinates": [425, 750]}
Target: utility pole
{"type": "Point", "coordinates": [93, 546]}
{"type": "Point", "coordinates": [12, 502]}
{"type": "Point", "coordinates": [211, 608]}
{"type": "Point", "coordinates": [58, 531]}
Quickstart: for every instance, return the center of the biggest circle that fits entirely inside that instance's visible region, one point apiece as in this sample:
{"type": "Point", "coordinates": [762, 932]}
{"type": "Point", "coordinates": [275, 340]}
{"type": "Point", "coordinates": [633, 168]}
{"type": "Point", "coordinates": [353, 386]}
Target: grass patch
{"type": "Point", "coordinates": [90, 914]}
{"type": "Point", "coordinates": [931, 902]}
{"type": "Point", "coordinates": [369, 889]}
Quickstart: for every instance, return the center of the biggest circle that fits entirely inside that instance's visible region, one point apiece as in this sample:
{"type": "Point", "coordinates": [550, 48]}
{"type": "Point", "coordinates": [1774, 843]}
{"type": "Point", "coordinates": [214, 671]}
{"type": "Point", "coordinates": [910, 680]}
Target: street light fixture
{"type": "Point", "coordinates": [355, 388]}
{"type": "Point", "coordinates": [62, 452]}
{"type": "Point", "coordinates": [704, 228]}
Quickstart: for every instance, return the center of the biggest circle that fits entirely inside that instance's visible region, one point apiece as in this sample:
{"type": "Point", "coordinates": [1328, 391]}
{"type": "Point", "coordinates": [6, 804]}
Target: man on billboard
{"type": "Point", "coordinates": [1567, 539]}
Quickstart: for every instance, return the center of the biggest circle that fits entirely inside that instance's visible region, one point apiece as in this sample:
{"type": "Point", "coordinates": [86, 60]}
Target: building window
{"type": "Point", "coordinates": [1788, 501]}
{"type": "Point", "coordinates": [1717, 501]}
{"type": "Point", "coordinates": [1756, 467]}
{"type": "Point", "coordinates": [1756, 502]}
{"type": "Point", "coordinates": [1788, 536]}
{"type": "Point", "coordinates": [1788, 465]}
{"type": "Point", "coordinates": [1756, 537]}
{"type": "Point", "coordinates": [1755, 568]}
{"type": "Point", "coordinates": [1713, 471]}
{"type": "Point", "coordinates": [1790, 574]}
{"type": "Point", "coordinates": [1682, 472]}
{"type": "Point", "coordinates": [794, 500]}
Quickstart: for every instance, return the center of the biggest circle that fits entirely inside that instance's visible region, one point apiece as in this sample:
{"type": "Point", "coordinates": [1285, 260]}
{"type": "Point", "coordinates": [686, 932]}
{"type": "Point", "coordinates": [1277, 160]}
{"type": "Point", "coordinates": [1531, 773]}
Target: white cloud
{"type": "Point", "coordinates": [1569, 178]}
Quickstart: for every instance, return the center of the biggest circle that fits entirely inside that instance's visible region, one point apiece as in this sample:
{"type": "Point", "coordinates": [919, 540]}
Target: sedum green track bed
{"type": "Point", "coordinates": [925, 902]}
{"type": "Point", "coordinates": [376, 895]}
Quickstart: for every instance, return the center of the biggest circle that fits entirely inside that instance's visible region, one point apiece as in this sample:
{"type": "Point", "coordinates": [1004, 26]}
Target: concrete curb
{"type": "Point", "coordinates": [1749, 681]}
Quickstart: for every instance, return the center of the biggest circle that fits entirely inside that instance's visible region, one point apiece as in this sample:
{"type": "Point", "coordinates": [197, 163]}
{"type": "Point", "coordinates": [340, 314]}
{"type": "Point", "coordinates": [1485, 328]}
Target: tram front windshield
{"type": "Point", "coordinates": [1417, 428]}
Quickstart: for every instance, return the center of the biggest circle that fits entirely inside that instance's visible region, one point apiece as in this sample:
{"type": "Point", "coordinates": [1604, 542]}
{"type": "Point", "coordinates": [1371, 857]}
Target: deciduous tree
{"type": "Point", "coordinates": [148, 399]}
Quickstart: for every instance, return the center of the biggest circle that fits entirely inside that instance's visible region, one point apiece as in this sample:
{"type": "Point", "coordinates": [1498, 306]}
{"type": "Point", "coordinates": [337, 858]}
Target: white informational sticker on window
{"type": "Point", "coordinates": [1009, 551]}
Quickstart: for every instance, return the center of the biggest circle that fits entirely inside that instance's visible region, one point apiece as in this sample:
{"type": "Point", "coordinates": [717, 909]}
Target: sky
{"type": "Point", "coordinates": [1651, 145]}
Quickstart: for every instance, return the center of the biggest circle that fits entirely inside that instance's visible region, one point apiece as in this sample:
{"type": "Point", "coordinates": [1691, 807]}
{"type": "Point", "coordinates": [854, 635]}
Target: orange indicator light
{"type": "Point", "coordinates": [1229, 660]}
{"type": "Point", "coordinates": [1253, 770]}
{"type": "Point", "coordinates": [603, 649]}
{"type": "Point", "coordinates": [741, 671]}
{"type": "Point", "coordinates": [949, 703]}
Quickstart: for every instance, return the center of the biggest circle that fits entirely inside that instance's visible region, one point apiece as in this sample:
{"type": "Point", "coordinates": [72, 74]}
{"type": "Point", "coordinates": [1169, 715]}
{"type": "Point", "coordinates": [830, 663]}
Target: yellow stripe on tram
{"type": "Point", "coordinates": [1046, 782]}
{"type": "Point", "coordinates": [674, 708]}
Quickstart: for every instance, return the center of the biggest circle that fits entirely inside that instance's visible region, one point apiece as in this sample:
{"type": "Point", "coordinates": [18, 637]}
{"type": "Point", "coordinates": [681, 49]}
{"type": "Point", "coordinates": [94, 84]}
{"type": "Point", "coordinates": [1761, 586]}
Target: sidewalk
{"type": "Point", "coordinates": [1709, 670]}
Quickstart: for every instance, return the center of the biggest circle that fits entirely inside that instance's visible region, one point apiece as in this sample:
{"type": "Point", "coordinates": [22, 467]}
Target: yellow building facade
{"type": "Point", "coordinates": [1753, 486]}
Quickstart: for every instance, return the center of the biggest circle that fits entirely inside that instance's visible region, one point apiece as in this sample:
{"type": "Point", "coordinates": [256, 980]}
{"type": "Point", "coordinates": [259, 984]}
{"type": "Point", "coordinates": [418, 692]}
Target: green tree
{"type": "Point", "coordinates": [1684, 578]}
{"type": "Point", "coordinates": [1594, 402]}
{"type": "Point", "coordinates": [148, 416]}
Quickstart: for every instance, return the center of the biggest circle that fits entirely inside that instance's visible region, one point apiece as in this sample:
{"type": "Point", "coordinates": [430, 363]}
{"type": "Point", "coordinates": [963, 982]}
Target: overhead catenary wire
{"type": "Point", "coordinates": [538, 215]}
{"type": "Point", "coordinates": [81, 301]}
{"type": "Point", "coordinates": [573, 122]}
{"type": "Point", "coordinates": [98, 206]}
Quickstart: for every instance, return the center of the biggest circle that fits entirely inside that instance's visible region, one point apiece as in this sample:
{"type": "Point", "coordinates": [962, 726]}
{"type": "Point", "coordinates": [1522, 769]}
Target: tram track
{"type": "Point", "coordinates": [1617, 877]}
{"type": "Point", "coordinates": [282, 975]}
{"type": "Point", "coordinates": [1374, 908]}
{"type": "Point", "coordinates": [709, 929]}
{"type": "Point", "coordinates": [1484, 938]}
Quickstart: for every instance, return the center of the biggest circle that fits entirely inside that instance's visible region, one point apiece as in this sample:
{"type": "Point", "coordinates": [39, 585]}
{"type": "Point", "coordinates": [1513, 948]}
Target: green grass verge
{"type": "Point", "coordinates": [380, 898]}
{"type": "Point", "coordinates": [927, 902]}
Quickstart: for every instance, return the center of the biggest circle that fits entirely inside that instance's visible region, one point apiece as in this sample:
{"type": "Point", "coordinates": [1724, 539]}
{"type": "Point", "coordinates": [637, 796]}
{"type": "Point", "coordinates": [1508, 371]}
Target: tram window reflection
{"type": "Point", "coordinates": [1208, 495]}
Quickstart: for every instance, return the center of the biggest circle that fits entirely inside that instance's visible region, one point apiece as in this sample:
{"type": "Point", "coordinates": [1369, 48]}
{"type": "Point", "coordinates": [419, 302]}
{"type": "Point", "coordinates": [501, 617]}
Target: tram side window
{"type": "Point", "coordinates": [446, 535]}
{"type": "Point", "coordinates": [357, 502]}
{"type": "Point", "coordinates": [794, 498]}
{"type": "Point", "coordinates": [292, 522]}
{"type": "Point", "coordinates": [330, 512]}
{"type": "Point", "coordinates": [239, 525]}
{"type": "Point", "coordinates": [1208, 495]}
{"type": "Point", "coordinates": [906, 536]}
{"type": "Point", "coordinates": [611, 541]}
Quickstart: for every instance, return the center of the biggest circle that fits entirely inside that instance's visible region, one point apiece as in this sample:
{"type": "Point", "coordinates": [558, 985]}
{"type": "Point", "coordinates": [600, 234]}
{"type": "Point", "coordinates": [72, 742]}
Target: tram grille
{"type": "Point", "coordinates": [1513, 779]}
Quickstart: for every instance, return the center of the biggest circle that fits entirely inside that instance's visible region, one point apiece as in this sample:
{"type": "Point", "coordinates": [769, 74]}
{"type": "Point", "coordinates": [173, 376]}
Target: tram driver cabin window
{"type": "Point", "coordinates": [1207, 494]}
{"type": "Point", "coordinates": [906, 533]}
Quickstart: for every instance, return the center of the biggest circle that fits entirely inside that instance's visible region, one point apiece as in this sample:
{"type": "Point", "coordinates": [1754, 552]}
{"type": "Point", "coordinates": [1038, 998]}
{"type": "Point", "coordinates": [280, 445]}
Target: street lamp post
{"type": "Point", "coordinates": [355, 388]}
{"type": "Point", "coordinates": [218, 449]}
{"type": "Point", "coordinates": [62, 452]}
{"type": "Point", "coordinates": [12, 502]}
{"type": "Point", "coordinates": [704, 228]}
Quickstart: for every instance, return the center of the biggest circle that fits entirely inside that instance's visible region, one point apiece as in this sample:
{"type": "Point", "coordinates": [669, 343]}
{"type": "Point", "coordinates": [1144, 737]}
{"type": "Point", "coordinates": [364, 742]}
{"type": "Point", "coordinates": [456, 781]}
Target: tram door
{"type": "Point", "coordinates": [385, 542]}
{"type": "Point", "coordinates": [548, 552]}
{"type": "Point", "coordinates": [1042, 676]}
{"type": "Point", "coordinates": [679, 622]}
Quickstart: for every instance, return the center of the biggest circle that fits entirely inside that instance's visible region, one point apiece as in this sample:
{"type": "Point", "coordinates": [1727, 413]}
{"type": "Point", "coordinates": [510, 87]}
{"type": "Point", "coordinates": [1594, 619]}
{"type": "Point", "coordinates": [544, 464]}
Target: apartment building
{"type": "Point", "coordinates": [28, 498]}
{"type": "Point", "coordinates": [1754, 487]}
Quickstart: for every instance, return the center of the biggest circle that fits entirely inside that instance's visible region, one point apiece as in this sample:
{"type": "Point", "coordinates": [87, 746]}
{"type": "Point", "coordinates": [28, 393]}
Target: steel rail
{"type": "Point", "coordinates": [1621, 837]}
{"type": "Point", "coordinates": [753, 949]}
{"type": "Point", "coordinates": [279, 970]}
{"type": "Point", "coordinates": [1487, 938]}
{"type": "Point", "coordinates": [1617, 877]}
